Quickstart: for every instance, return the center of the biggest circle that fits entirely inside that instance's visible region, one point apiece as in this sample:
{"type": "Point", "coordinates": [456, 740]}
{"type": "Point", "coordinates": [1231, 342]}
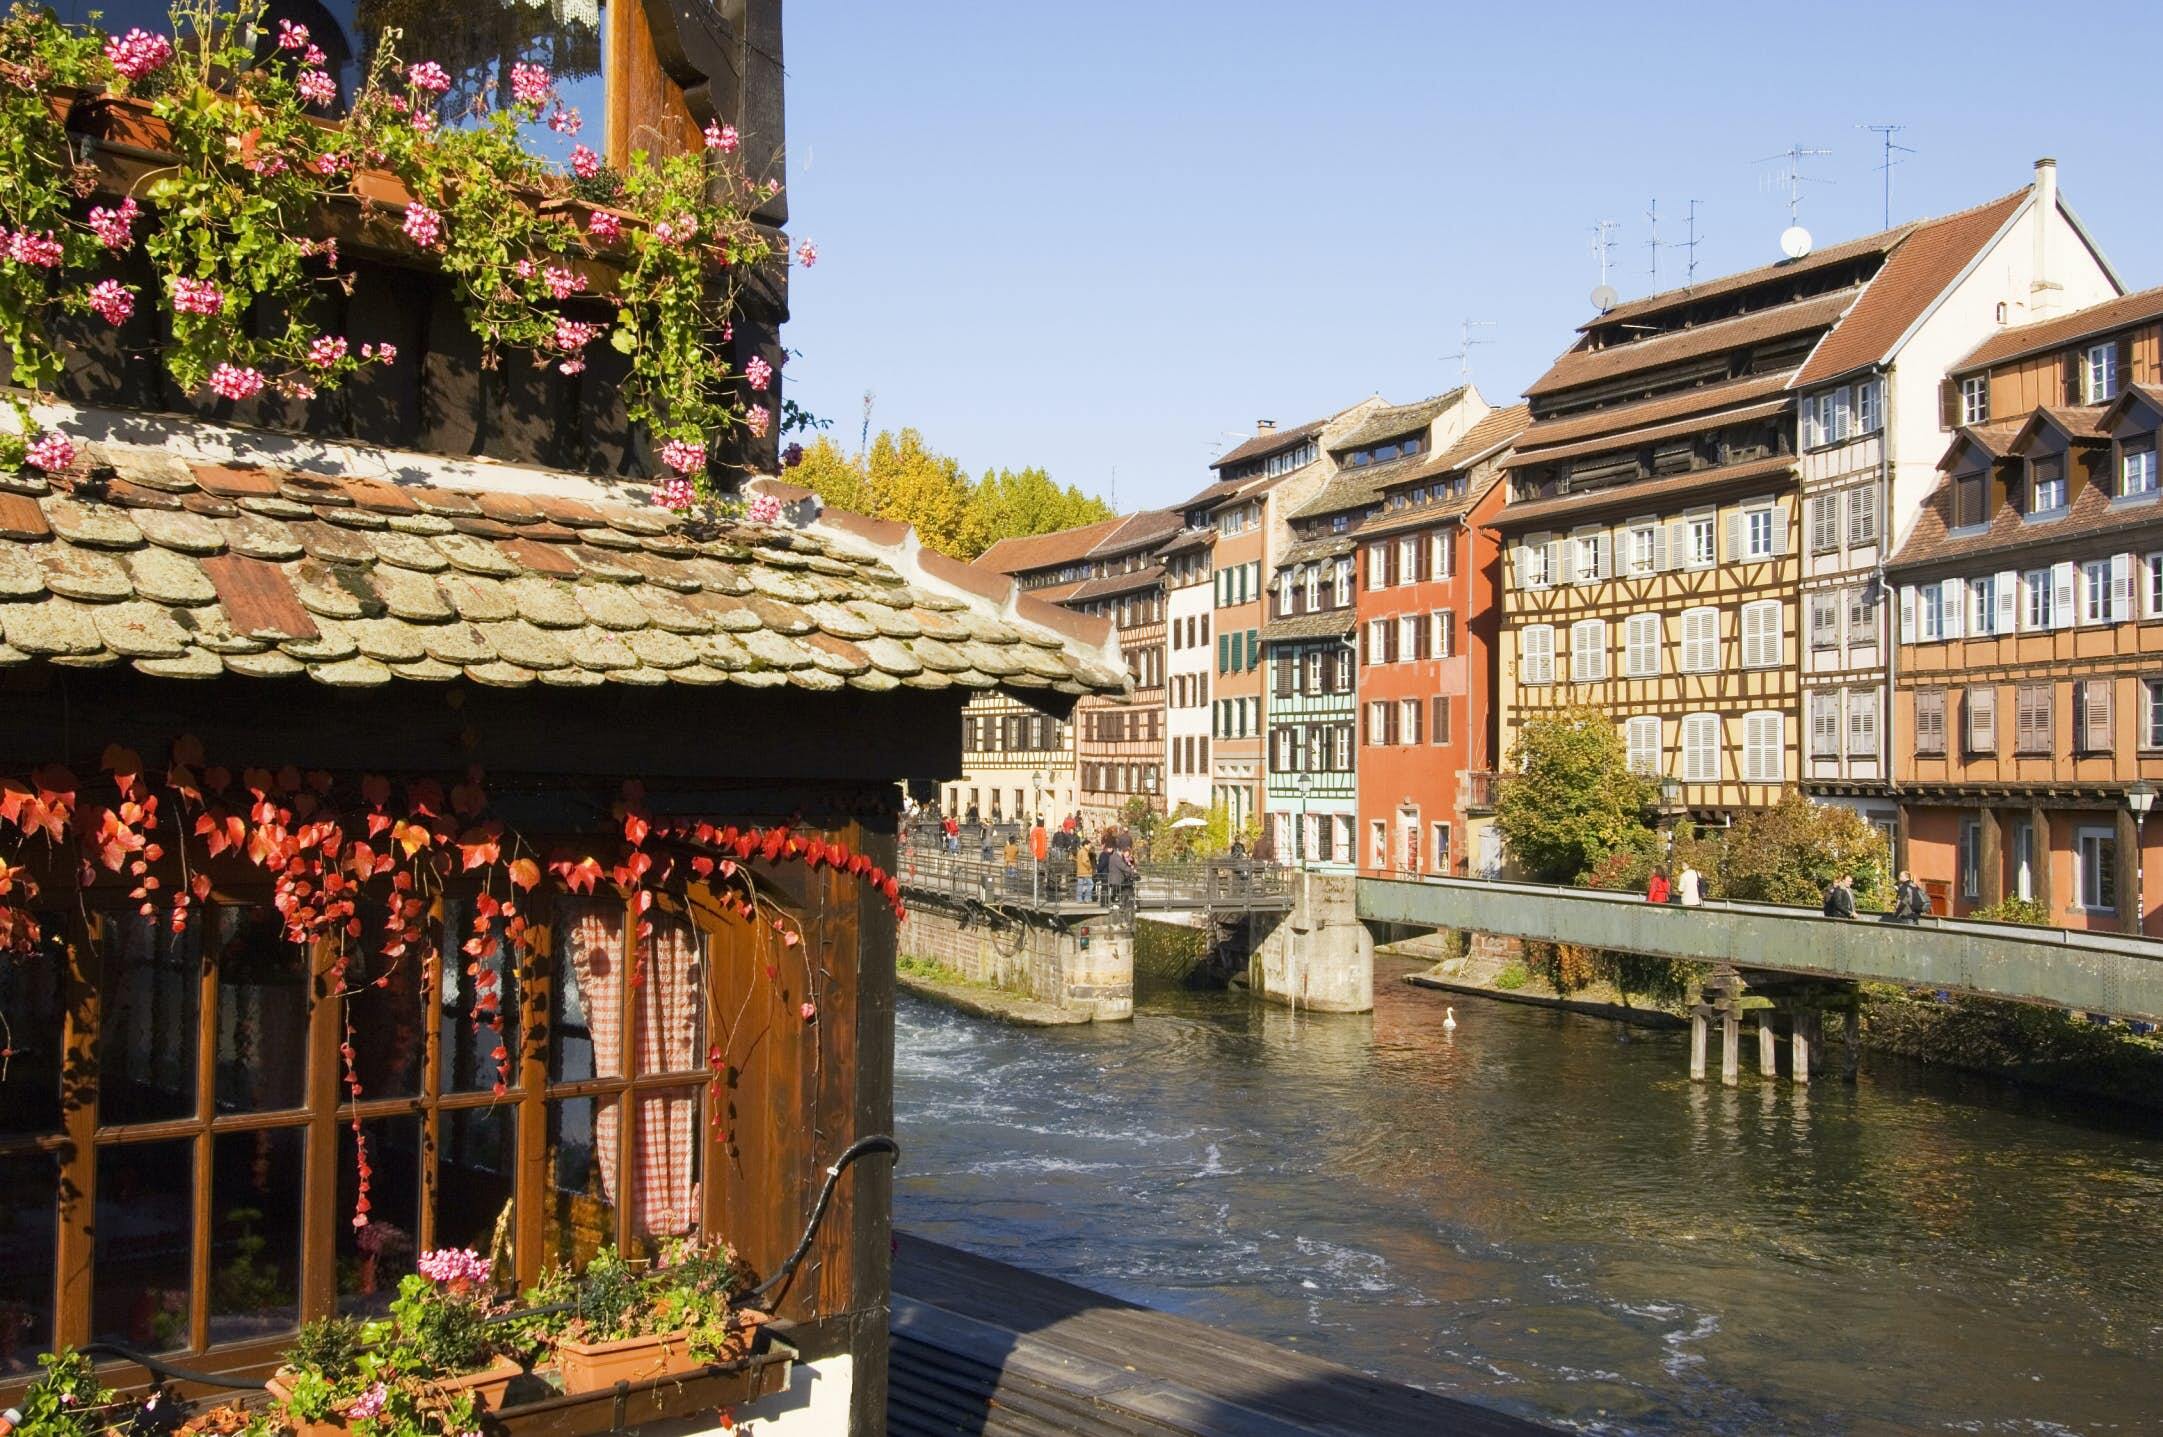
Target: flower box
{"type": "Point", "coordinates": [589, 1366]}
{"type": "Point", "coordinates": [124, 120]}
{"type": "Point", "coordinates": [487, 1384]}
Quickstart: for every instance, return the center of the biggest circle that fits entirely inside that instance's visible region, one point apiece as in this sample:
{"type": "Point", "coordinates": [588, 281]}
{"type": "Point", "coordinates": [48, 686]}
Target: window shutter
{"type": "Point", "coordinates": [1412, 712]}
{"type": "Point", "coordinates": [2101, 728]}
{"type": "Point", "coordinates": [2008, 595]}
{"type": "Point", "coordinates": [1779, 530]}
{"type": "Point", "coordinates": [1254, 647]}
{"type": "Point", "coordinates": [1603, 545]}
{"type": "Point", "coordinates": [1562, 561]}
{"type": "Point", "coordinates": [1948, 404]}
{"type": "Point", "coordinates": [1954, 598]}
{"type": "Point", "coordinates": [2071, 370]}
{"type": "Point", "coordinates": [1678, 544]}
{"type": "Point", "coordinates": [1930, 721]}
{"type": "Point", "coordinates": [2061, 595]}
{"type": "Point", "coordinates": [1907, 613]}
{"type": "Point", "coordinates": [1284, 676]}
{"type": "Point", "coordinates": [1366, 651]}
{"type": "Point", "coordinates": [1734, 536]}
{"type": "Point", "coordinates": [2121, 588]}
{"type": "Point", "coordinates": [1863, 514]}
{"type": "Point", "coordinates": [1982, 705]}
{"type": "Point", "coordinates": [1389, 642]}
{"type": "Point", "coordinates": [1389, 723]}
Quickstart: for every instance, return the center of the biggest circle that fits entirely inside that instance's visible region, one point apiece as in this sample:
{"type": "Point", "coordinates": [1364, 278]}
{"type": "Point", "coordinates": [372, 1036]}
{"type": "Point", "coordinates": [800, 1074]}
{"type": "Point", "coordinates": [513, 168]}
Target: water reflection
{"type": "Point", "coordinates": [1538, 1216]}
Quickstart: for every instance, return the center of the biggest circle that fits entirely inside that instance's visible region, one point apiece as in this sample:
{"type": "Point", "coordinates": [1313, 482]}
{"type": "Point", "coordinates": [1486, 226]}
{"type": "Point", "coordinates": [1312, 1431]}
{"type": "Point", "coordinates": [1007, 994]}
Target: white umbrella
{"type": "Point", "coordinates": [1190, 823]}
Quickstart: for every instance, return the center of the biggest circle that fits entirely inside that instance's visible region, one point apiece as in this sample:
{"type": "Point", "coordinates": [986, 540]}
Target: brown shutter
{"type": "Point", "coordinates": [1389, 722]}
{"type": "Point", "coordinates": [2096, 726]}
{"type": "Point", "coordinates": [1365, 630]}
{"type": "Point", "coordinates": [1439, 729]}
{"type": "Point", "coordinates": [1930, 721]}
{"type": "Point", "coordinates": [2069, 367]}
{"type": "Point", "coordinates": [1284, 676]}
{"type": "Point", "coordinates": [1948, 404]}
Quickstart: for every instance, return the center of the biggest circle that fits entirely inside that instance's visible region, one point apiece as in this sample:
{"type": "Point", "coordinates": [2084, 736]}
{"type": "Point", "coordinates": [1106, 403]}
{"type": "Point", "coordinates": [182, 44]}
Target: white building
{"type": "Point", "coordinates": [1872, 423]}
{"type": "Point", "coordinates": [1189, 658]}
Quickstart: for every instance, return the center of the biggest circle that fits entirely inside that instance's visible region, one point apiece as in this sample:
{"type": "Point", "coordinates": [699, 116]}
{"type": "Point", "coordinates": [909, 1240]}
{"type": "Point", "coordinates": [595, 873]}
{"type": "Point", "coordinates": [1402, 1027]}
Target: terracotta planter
{"type": "Point", "coordinates": [486, 1384]}
{"type": "Point", "coordinates": [381, 187]}
{"type": "Point", "coordinates": [124, 120]}
{"type": "Point", "coordinates": [590, 1366]}
{"type": "Point", "coordinates": [582, 212]}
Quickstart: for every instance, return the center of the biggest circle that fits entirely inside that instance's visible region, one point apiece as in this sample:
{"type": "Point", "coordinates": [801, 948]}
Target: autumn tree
{"type": "Point", "coordinates": [1570, 799]}
{"type": "Point", "coordinates": [1791, 853]}
{"type": "Point", "coordinates": [903, 478]}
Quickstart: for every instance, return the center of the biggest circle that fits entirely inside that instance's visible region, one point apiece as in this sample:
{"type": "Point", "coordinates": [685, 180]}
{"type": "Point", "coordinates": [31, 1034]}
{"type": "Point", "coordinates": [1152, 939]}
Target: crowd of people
{"type": "Point", "coordinates": [1911, 903]}
{"type": "Point", "coordinates": [1038, 853]}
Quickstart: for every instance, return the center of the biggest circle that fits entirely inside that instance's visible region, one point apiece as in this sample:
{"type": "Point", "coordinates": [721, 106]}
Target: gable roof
{"type": "Point", "coordinates": [1499, 427]}
{"type": "Point", "coordinates": [2022, 340]}
{"type": "Point", "coordinates": [1994, 439]}
{"type": "Point", "coordinates": [1619, 418]}
{"type": "Point", "coordinates": [1393, 420]}
{"type": "Point", "coordinates": [1138, 531]}
{"type": "Point", "coordinates": [2075, 422]}
{"type": "Point", "coordinates": [1831, 255]}
{"type": "Point", "coordinates": [1782, 321]}
{"type": "Point", "coordinates": [1021, 554]}
{"type": "Point", "coordinates": [1925, 262]}
{"type": "Point", "coordinates": [1652, 433]}
{"type": "Point", "coordinates": [1269, 443]}
{"type": "Point", "coordinates": [2091, 515]}
{"type": "Point", "coordinates": [192, 569]}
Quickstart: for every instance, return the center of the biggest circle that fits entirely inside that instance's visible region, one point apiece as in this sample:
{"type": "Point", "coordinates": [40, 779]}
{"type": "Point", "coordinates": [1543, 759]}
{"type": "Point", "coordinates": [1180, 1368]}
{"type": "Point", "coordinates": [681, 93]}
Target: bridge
{"type": "Point", "coordinates": [1201, 888]}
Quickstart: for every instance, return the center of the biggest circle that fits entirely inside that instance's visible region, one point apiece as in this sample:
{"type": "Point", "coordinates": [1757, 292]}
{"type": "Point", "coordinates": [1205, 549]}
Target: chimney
{"type": "Point", "coordinates": [1264, 426]}
{"type": "Point", "coordinates": [2044, 289]}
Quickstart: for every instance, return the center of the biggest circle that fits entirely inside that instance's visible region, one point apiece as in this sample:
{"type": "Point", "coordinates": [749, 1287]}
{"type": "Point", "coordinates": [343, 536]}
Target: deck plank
{"type": "Point", "coordinates": [988, 1325]}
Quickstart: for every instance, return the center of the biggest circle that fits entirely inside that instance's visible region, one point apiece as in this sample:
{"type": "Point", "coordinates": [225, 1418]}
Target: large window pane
{"type": "Point", "coordinates": [582, 1142]}
{"type": "Point", "coordinates": [31, 989]}
{"type": "Point", "coordinates": [371, 1259]}
{"type": "Point", "coordinates": [146, 1045]}
{"type": "Point", "coordinates": [587, 1026]}
{"type": "Point", "coordinates": [665, 1163]}
{"type": "Point", "coordinates": [262, 1011]}
{"type": "Point", "coordinates": [255, 1191]}
{"type": "Point", "coordinates": [479, 1007]}
{"type": "Point", "coordinates": [29, 1199]}
{"type": "Point", "coordinates": [142, 1254]}
{"type": "Point", "coordinates": [672, 999]}
{"type": "Point", "coordinates": [387, 1006]}
{"type": "Point", "coordinates": [474, 1183]}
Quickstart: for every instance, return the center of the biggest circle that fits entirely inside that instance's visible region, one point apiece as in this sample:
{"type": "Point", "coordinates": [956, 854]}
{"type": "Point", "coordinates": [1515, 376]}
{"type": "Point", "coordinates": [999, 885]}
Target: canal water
{"type": "Point", "coordinates": [1533, 1213]}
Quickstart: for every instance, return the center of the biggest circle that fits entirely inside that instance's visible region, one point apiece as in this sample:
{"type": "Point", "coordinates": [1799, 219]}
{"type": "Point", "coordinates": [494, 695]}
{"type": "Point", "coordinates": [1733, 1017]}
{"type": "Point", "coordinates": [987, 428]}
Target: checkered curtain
{"type": "Point", "coordinates": [670, 1003]}
{"type": "Point", "coordinates": [596, 951]}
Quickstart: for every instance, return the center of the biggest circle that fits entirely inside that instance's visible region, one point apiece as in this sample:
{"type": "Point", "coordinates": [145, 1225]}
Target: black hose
{"type": "Point", "coordinates": [876, 1143]}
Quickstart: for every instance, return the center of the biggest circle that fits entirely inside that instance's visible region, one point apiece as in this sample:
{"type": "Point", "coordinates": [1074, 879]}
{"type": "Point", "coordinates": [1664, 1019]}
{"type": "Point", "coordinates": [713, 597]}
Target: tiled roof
{"type": "Point", "coordinates": [2091, 514]}
{"type": "Point", "coordinates": [1660, 408]}
{"type": "Point", "coordinates": [1269, 443]}
{"type": "Point", "coordinates": [1326, 546]}
{"type": "Point", "coordinates": [1389, 422]}
{"type": "Point", "coordinates": [1138, 531]}
{"type": "Point", "coordinates": [1500, 427]}
{"type": "Point", "coordinates": [1995, 438]}
{"type": "Point", "coordinates": [1187, 539]}
{"type": "Point", "coordinates": [1780, 271]}
{"type": "Point", "coordinates": [1356, 488]}
{"type": "Point", "coordinates": [1146, 577]}
{"type": "Point", "coordinates": [1926, 261]}
{"type": "Point", "coordinates": [1041, 551]}
{"type": "Point", "coordinates": [1209, 497]}
{"type": "Point", "coordinates": [1642, 495]}
{"type": "Point", "coordinates": [1329, 624]}
{"type": "Point", "coordinates": [2075, 421]}
{"type": "Point", "coordinates": [1591, 366]}
{"type": "Point", "coordinates": [1698, 424]}
{"type": "Point", "coordinates": [194, 569]}
{"type": "Point", "coordinates": [2063, 329]}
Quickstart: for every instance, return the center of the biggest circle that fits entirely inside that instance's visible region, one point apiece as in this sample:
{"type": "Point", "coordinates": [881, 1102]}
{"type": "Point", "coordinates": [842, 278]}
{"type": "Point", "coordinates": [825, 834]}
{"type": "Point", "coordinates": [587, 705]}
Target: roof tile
{"type": "Point", "coordinates": [86, 574]}
{"type": "Point", "coordinates": [21, 520]}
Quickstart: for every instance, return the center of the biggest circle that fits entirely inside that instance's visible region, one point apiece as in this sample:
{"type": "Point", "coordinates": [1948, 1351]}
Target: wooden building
{"type": "Point", "coordinates": [1308, 648]}
{"type": "Point", "coordinates": [1650, 526]}
{"type": "Point", "coordinates": [1428, 609]}
{"type": "Point", "coordinates": [2029, 678]}
{"type": "Point", "coordinates": [1871, 431]}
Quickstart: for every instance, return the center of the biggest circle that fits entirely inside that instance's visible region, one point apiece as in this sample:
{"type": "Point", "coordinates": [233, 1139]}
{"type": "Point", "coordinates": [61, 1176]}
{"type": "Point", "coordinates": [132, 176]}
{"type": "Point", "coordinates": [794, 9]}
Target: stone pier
{"type": "Point", "coordinates": [1319, 955]}
{"type": "Point", "coordinates": [1084, 966]}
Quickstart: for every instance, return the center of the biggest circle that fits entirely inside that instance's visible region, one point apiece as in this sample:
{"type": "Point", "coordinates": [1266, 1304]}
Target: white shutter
{"type": "Point", "coordinates": [1907, 613]}
{"type": "Point", "coordinates": [1954, 605]}
{"type": "Point", "coordinates": [1779, 530]}
{"type": "Point", "coordinates": [2121, 588]}
{"type": "Point", "coordinates": [2008, 583]}
{"type": "Point", "coordinates": [1734, 536]}
{"type": "Point", "coordinates": [2061, 595]}
{"type": "Point", "coordinates": [1604, 546]}
{"type": "Point", "coordinates": [1557, 562]}
{"type": "Point", "coordinates": [1678, 544]}
{"type": "Point", "coordinates": [1659, 547]}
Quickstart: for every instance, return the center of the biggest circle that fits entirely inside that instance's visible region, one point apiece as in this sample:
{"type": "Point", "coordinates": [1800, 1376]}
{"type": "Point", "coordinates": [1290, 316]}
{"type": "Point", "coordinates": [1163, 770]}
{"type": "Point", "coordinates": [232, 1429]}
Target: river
{"type": "Point", "coordinates": [1533, 1213]}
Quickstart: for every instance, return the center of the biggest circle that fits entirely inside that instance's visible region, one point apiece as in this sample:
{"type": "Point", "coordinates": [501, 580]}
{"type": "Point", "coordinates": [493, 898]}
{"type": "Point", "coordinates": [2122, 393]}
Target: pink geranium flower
{"type": "Point", "coordinates": [428, 76]}
{"type": "Point", "coordinates": [678, 494]}
{"type": "Point", "coordinates": [51, 451]}
{"type": "Point", "coordinates": [112, 301]}
{"type": "Point", "coordinates": [316, 87]}
{"type": "Point", "coordinates": [758, 372]}
{"type": "Point", "coordinates": [232, 381]}
{"type": "Point", "coordinates": [138, 53]}
{"type": "Point", "coordinates": [327, 350]}
{"type": "Point", "coordinates": [685, 456]}
{"type": "Point", "coordinates": [197, 296]}
{"type": "Point", "coordinates": [423, 225]}
{"type": "Point", "coordinates": [758, 419]}
{"type": "Point", "coordinates": [807, 254]}
{"type": "Point", "coordinates": [765, 509]}
{"type": "Point", "coordinates": [721, 137]}
{"type": "Point", "coordinates": [531, 84]}
{"type": "Point", "coordinates": [115, 227]}
{"type": "Point", "coordinates": [605, 226]}
{"type": "Point", "coordinates": [584, 162]}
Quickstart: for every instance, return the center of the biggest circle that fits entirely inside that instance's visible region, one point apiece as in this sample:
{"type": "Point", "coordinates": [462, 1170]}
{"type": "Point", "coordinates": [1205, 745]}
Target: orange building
{"type": "Point", "coordinates": [2028, 689]}
{"type": "Point", "coordinates": [1427, 611]}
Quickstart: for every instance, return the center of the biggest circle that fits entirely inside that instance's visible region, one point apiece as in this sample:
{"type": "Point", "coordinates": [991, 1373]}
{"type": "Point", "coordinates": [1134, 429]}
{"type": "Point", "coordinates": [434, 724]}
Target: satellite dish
{"type": "Point", "coordinates": [1604, 297]}
{"type": "Point", "coordinates": [1794, 241]}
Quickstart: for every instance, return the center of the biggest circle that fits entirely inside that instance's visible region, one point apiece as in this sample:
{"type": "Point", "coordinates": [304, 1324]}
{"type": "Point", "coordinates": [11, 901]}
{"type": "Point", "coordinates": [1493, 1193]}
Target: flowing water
{"type": "Point", "coordinates": [1541, 1213]}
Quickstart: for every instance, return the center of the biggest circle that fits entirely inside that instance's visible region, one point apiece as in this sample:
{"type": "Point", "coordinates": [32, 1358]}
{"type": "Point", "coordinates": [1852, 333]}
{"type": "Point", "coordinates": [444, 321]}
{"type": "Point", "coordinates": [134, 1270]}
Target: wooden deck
{"type": "Point", "coordinates": [981, 1349]}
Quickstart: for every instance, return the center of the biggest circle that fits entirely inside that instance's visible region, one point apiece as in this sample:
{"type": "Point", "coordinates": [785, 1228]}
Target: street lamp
{"type": "Point", "coordinates": [1036, 815]}
{"type": "Point", "coordinates": [2138, 800]}
{"type": "Point", "coordinates": [1670, 806]}
{"type": "Point", "coordinates": [1299, 834]}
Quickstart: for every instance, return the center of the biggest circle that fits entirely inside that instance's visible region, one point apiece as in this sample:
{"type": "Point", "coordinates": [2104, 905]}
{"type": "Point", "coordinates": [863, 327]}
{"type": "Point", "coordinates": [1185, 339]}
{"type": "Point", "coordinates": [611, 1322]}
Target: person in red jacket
{"type": "Point", "coordinates": [1656, 891]}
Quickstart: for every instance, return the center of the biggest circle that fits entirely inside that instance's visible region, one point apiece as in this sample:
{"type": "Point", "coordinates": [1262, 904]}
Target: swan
{"type": "Point", "coordinates": [1449, 1020]}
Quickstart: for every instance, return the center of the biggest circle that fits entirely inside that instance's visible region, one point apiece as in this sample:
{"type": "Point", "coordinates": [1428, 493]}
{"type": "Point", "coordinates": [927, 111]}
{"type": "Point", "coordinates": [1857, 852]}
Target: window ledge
{"type": "Point", "coordinates": [2044, 516]}
{"type": "Point", "coordinates": [2135, 501]}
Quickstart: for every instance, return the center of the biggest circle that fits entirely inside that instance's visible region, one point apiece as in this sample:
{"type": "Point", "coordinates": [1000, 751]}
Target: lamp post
{"type": "Point", "coordinates": [2138, 800]}
{"type": "Point", "coordinates": [1036, 816]}
{"type": "Point", "coordinates": [1670, 805]}
{"type": "Point", "coordinates": [1299, 834]}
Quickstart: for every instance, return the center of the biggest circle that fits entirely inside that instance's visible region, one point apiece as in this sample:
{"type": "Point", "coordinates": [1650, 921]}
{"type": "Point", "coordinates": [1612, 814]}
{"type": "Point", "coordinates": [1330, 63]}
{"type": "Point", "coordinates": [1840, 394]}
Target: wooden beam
{"type": "Point", "coordinates": [1990, 860]}
{"type": "Point", "coordinates": [2129, 901]}
{"type": "Point", "coordinates": [79, 1159]}
{"type": "Point", "coordinates": [319, 1167]}
{"type": "Point", "coordinates": [2039, 822]}
{"type": "Point", "coordinates": [1801, 1040]}
{"type": "Point", "coordinates": [1768, 1046]}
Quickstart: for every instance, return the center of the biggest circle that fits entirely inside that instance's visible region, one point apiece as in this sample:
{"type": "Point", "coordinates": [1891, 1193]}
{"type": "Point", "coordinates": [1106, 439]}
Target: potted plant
{"type": "Point", "coordinates": [430, 1368]}
{"type": "Point", "coordinates": [630, 1322]}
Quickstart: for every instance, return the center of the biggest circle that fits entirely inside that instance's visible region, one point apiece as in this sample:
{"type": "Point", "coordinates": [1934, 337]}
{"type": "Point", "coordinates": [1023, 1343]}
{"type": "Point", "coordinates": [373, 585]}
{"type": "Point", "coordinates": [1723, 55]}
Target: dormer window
{"type": "Point", "coordinates": [1975, 399]}
{"type": "Point", "coordinates": [2136, 470]}
{"type": "Point", "coordinates": [1969, 496]}
{"type": "Point", "coordinates": [2046, 484]}
{"type": "Point", "coordinates": [1338, 523]}
{"type": "Point", "coordinates": [2099, 373]}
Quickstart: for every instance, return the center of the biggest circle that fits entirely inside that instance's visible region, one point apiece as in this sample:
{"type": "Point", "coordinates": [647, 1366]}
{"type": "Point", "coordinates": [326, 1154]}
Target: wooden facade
{"type": "Point", "coordinates": [1016, 762]}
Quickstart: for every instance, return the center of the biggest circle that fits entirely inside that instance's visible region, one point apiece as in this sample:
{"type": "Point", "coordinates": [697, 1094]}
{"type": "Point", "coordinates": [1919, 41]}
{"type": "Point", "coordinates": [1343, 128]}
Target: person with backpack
{"type": "Point", "coordinates": [1840, 898]}
{"type": "Point", "coordinates": [1910, 903]}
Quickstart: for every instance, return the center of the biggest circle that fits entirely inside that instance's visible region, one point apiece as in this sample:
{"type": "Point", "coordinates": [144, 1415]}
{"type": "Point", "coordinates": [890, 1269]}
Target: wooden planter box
{"type": "Point", "coordinates": [487, 1385]}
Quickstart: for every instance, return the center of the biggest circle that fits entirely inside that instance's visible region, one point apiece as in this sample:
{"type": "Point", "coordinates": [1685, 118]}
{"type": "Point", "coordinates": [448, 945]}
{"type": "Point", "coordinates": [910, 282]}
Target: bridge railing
{"type": "Point", "coordinates": [1057, 882]}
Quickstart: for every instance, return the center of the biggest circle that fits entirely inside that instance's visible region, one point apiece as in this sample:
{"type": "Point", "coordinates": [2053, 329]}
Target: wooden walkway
{"type": "Point", "coordinates": [981, 1349]}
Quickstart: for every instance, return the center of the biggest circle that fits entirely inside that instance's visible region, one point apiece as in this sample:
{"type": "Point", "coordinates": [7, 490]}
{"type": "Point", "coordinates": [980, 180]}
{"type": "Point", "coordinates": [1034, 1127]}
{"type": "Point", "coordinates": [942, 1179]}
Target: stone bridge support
{"type": "Point", "coordinates": [1083, 965]}
{"type": "Point", "coordinates": [1319, 955]}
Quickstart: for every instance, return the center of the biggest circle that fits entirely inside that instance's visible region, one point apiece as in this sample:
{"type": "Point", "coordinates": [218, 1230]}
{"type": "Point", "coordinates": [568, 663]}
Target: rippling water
{"type": "Point", "coordinates": [1537, 1215]}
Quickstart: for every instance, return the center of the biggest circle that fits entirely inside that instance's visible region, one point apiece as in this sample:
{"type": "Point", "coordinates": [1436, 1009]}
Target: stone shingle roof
{"type": "Point", "coordinates": [189, 569]}
{"type": "Point", "coordinates": [1269, 443]}
{"type": "Point", "coordinates": [1391, 421]}
{"type": "Point", "coordinates": [1299, 628]}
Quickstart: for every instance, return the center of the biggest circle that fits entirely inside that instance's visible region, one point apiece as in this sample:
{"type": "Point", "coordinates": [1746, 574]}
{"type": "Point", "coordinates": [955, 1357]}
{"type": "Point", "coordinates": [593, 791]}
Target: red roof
{"type": "Point", "coordinates": [2064, 329]}
{"type": "Point", "coordinates": [1041, 551]}
{"type": "Point", "coordinates": [1269, 443]}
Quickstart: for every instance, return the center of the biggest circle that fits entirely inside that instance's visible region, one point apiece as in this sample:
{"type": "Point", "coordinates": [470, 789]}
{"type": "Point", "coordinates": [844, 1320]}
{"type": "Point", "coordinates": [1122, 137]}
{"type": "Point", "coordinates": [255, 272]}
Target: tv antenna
{"type": "Point", "coordinates": [1892, 147]}
{"type": "Point", "coordinates": [1790, 176]}
{"type": "Point", "coordinates": [1465, 341]}
{"type": "Point", "coordinates": [1689, 246]}
{"type": "Point", "coordinates": [1603, 250]}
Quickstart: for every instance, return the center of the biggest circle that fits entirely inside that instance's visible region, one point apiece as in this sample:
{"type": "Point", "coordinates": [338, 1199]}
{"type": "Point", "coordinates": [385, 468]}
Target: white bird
{"type": "Point", "coordinates": [1449, 1020]}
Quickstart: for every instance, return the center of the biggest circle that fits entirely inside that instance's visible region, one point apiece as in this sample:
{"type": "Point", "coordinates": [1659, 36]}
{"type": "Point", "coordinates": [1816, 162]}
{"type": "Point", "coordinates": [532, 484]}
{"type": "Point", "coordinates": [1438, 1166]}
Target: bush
{"type": "Point", "coordinates": [1511, 978]}
{"type": "Point", "coordinates": [1792, 852]}
{"type": "Point", "coordinates": [1564, 967]}
{"type": "Point", "coordinates": [1569, 798]}
{"type": "Point", "coordinates": [2015, 910]}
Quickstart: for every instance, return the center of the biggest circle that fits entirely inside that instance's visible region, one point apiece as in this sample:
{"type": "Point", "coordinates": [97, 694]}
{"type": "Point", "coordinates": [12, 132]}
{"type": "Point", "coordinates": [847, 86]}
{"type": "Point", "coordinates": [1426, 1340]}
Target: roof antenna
{"type": "Point", "coordinates": [1115, 489]}
{"type": "Point", "coordinates": [1603, 250]}
{"type": "Point", "coordinates": [1886, 133]}
{"type": "Point", "coordinates": [1652, 245]}
{"type": "Point", "coordinates": [1465, 341]}
{"type": "Point", "coordinates": [1794, 240]}
{"type": "Point", "coordinates": [1689, 247]}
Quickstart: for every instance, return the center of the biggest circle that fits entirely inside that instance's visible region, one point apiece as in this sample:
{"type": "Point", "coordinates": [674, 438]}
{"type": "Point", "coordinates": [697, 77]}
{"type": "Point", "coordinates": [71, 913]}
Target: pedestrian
{"type": "Point", "coordinates": [1239, 852]}
{"type": "Point", "coordinates": [1656, 887]}
{"type": "Point", "coordinates": [953, 835]}
{"type": "Point", "coordinates": [1690, 887]}
{"type": "Point", "coordinates": [1085, 873]}
{"type": "Point", "coordinates": [1840, 898]}
{"type": "Point", "coordinates": [1910, 903]}
{"type": "Point", "coordinates": [1039, 842]}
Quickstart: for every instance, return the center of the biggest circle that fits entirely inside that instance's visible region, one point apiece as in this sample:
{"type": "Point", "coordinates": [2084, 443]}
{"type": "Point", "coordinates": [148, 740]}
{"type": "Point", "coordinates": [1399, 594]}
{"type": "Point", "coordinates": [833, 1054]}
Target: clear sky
{"type": "Point", "coordinates": [1115, 235]}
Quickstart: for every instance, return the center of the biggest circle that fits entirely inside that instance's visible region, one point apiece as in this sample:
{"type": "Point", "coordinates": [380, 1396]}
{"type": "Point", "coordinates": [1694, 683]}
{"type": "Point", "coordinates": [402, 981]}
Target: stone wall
{"type": "Point", "coordinates": [1086, 966]}
{"type": "Point", "coordinates": [1319, 955]}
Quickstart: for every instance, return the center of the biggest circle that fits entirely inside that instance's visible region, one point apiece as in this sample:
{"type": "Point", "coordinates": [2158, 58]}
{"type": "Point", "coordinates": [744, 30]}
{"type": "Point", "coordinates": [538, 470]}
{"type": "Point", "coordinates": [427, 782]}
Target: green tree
{"type": "Point", "coordinates": [1791, 853]}
{"type": "Point", "coordinates": [903, 478]}
{"type": "Point", "coordinates": [1570, 799]}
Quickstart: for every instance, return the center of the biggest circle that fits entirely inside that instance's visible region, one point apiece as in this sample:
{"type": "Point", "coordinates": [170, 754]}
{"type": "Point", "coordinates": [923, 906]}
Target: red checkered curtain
{"type": "Point", "coordinates": [596, 950]}
{"type": "Point", "coordinates": [671, 1026]}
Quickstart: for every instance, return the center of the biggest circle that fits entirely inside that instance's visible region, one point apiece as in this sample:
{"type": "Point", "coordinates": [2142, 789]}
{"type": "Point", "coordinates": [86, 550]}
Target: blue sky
{"type": "Point", "coordinates": [1117, 234]}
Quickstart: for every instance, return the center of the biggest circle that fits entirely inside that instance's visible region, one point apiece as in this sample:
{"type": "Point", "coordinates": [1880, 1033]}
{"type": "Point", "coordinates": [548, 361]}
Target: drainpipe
{"type": "Point", "coordinates": [1889, 619]}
